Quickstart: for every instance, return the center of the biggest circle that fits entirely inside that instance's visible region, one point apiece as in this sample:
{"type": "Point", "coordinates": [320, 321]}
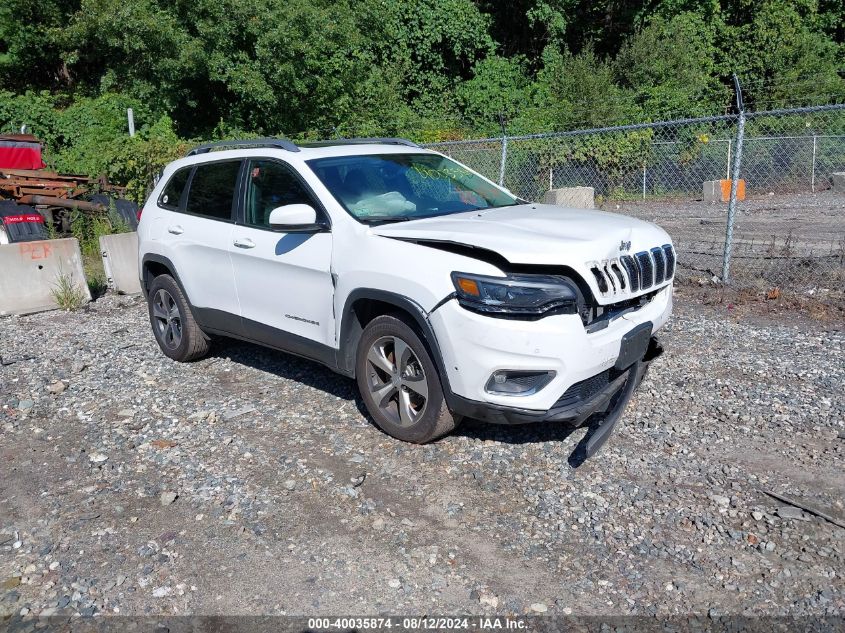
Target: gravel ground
{"type": "Point", "coordinates": [251, 483]}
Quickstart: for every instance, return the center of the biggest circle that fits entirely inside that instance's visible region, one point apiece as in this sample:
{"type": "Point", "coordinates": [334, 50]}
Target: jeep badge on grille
{"type": "Point", "coordinates": [625, 246]}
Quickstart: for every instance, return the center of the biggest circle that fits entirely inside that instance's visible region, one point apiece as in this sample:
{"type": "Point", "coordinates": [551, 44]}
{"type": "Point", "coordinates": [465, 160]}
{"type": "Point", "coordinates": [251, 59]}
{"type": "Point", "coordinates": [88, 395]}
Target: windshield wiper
{"type": "Point", "coordinates": [385, 220]}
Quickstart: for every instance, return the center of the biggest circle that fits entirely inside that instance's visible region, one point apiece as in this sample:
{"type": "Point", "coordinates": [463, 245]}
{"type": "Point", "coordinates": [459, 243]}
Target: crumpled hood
{"type": "Point", "coordinates": [536, 233]}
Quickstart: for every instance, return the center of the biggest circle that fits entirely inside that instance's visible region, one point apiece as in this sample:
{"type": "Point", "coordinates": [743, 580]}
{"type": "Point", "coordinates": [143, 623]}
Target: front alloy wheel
{"type": "Point", "coordinates": [396, 380]}
{"type": "Point", "coordinates": [399, 382]}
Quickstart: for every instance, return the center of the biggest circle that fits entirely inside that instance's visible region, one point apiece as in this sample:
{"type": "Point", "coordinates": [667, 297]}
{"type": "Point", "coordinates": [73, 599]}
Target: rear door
{"type": "Point", "coordinates": [198, 232]}
{"type": "Point", "coordinates": [283, 280]}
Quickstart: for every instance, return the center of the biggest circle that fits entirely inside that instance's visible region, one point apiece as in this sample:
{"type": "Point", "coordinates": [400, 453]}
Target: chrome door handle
{"type": "Point", "coordinates": [176, 230]}
{"type": "Point", "coordinates": [245, 243]}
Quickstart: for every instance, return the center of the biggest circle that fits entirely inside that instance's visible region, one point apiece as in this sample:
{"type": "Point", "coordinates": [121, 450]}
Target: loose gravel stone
{"type": "Point", "coordinates": [790, 512]}
{"type": "Point", "coordinates": [57, 387]}
{"type": "Point", "coordinates": [291, 501]}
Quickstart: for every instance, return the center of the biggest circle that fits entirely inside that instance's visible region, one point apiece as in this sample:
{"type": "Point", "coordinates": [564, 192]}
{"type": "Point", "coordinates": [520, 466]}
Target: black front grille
{"type": "Point", "coordinates": [614, 267]}
{"type": "Point", "coordinates": [670, 261]}
{"type": "Point", "coordinates": [646, 270]}
{"type": "Point", "coordinates": [585, 389]}
{"type": "Point", "coordinates": [633, 272]}
{"type": "Point", "coordinates": [641, 271]}
{"type": "Point", "coordinates": [659, 265]}
{"type": "Point", "coordinates": [600, 279]}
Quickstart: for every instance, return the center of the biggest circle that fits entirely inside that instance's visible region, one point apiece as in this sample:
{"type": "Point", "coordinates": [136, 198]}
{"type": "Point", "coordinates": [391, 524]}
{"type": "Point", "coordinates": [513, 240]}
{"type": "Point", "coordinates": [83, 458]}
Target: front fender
{"type": "Point", "coordinates": [350, 327]}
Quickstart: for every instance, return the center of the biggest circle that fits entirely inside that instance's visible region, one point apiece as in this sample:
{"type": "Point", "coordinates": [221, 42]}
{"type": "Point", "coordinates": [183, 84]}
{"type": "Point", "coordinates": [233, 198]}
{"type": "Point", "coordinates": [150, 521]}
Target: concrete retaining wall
{"type": "Point", "coordinates": [29, 272]}
{"type": "Point", "coordinates": [120, 261]}
{"type": "Point", "coordinates": [571, 197]}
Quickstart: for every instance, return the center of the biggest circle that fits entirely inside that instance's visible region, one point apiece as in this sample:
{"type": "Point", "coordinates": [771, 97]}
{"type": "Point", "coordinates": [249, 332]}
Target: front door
{"type": "Point", "coordinates": [283, 280]}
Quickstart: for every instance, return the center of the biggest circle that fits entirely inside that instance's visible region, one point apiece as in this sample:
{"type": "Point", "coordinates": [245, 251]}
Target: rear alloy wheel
{"type": "Point", "coordinates": [399, 382]}
{"type": "Point", "coordinates": [174, 327]}
{"type": "Point", "coordinates": [167, 320]}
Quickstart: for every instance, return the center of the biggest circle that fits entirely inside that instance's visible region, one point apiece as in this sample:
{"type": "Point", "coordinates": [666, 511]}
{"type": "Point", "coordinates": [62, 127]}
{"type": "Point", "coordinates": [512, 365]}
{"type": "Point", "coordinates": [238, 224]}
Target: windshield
{"type": "Point", "coordinates": [394, 187]}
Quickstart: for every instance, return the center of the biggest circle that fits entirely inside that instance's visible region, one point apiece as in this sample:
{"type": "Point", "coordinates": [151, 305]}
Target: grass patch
{"type": "Point", "coordinates": [67, 293]}
{"type": "Point", "coordinates": [95, 275]}
{"type": "Point", "coordinates": [87, 228]}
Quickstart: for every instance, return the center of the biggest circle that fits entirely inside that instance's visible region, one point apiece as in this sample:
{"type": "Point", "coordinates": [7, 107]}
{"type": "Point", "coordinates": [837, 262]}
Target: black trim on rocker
{"type": "Point", "coordinates": [227, 324]}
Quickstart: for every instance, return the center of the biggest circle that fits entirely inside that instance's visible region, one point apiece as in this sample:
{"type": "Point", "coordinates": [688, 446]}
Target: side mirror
{"type": "Point", "coordinates": [295, 218]}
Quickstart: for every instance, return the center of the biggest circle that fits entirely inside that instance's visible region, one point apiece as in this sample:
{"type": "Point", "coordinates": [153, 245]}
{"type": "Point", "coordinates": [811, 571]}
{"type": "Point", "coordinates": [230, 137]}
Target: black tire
{"type": "Point", "coordinates": [169, 318]}
{"type": "Point", "coordinates": [421, 419]}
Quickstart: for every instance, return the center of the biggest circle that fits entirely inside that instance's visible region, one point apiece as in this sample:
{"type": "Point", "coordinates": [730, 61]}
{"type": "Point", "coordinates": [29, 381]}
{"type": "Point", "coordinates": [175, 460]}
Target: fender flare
{"type": "Point", "coordinates": [350, 331]}
{"type": "Point", "coordinates": [164, 261]}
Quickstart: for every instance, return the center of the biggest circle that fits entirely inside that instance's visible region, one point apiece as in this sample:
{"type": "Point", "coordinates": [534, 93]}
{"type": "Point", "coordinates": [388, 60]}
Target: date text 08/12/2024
{"type": "Point", "coordinates": [421, 623]}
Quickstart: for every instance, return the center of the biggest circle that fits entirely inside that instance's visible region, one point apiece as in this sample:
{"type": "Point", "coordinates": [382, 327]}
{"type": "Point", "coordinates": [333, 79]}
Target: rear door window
{"type": "Point", "coordinates": [172, 194]}
{"type": "Point", "coordinates": [212, 192]}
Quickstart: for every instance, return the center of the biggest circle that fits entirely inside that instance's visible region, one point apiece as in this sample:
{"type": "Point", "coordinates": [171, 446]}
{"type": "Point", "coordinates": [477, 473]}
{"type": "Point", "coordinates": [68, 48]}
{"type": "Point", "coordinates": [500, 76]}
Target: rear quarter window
{"type": "Point", "coordinates": [212, 191]}
{"type": "Point", "coordinates": [172, 194]}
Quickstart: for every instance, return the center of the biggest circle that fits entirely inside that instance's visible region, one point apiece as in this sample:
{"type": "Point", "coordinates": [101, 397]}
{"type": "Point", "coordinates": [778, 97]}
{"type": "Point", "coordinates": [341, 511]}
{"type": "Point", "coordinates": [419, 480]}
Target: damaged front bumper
{"type": "Point", "coordinates": [599, 401]}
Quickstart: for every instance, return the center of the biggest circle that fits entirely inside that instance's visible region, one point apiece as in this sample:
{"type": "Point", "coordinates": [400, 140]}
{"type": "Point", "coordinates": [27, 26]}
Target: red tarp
{"type": "Point", "coordinates": [20, 155]}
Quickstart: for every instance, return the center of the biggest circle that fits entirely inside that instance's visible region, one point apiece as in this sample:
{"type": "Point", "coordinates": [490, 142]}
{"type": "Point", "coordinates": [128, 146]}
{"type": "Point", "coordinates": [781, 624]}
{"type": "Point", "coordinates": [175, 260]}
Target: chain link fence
{"type": "Point", "coordinates": [788, 232]}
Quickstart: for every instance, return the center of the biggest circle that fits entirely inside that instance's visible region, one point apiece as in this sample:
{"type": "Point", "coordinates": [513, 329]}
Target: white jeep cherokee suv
{"type": "Point", "coordinates": [441, 293]}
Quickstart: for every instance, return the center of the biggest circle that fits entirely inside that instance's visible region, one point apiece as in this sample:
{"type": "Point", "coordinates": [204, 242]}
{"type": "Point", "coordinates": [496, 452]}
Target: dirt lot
{"type": "Point", "coordinates": [251, 483]}
{"type": "Point", "coordinates": [813, 218]}
{"type": "Point", "coordinates": [786, 240]}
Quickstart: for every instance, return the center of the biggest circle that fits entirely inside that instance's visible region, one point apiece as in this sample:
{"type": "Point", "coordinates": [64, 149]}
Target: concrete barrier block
{"type": "Point", "coordinates": [720, 190]}
{"type": "Point", "coordinates": [838, 179]}
{"type": "Point", "coordinates": [571, 197]}
{"type": "Point", "coordinates": [711, 191]}
{"type": "Point", "coordinates": [120, 261]}
{"type": "Point", "coordinates": [31, 271]}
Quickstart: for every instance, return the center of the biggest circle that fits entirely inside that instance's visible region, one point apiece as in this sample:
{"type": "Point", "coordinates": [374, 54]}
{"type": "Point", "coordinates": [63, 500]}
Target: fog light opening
{"type": "Point", "coordinates": [518, 383]}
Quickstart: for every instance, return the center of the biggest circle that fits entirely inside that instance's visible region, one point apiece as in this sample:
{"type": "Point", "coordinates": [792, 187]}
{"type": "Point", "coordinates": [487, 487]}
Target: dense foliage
{"type": "Point", "coordinates": [428, 69]}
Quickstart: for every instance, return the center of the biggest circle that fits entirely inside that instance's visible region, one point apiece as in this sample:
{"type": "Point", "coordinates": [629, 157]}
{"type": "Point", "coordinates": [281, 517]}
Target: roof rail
{"type": "Point", "coordinates": [278, 143]}
{"type": "Point", "coordinates": [362, 141]}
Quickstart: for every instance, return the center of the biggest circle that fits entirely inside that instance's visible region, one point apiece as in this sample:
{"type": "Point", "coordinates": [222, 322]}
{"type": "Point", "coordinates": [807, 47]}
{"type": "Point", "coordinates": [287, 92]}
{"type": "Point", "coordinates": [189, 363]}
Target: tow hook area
{"type": "Point", "coordinates": [599, 431]}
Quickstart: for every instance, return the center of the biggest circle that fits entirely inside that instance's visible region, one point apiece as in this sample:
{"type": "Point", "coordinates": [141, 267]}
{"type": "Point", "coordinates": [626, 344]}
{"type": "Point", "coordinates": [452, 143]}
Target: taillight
{"type": "Point", "coordinates": [140, 211]}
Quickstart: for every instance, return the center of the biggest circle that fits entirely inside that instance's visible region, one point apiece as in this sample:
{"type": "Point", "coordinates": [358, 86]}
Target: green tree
{"type": "Point", "coordinates": [30, 48]}
{"type": "Point", "coordinates": [499, 86]}
{"type": "Point", "coordinates": [429, 69]}
{"type": "Point", "coordinates": [142, 49]}
{"type": "Point", "coordinates": [782, 60]}
{"type": "Point", "coordinates": [579, 91]}
{"type": "Point", "coordinates": [436, 42]}
{"type": "Point", "coordinates": [38, 111]}
{"type": "Point", "coordinates": [670, 65]}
